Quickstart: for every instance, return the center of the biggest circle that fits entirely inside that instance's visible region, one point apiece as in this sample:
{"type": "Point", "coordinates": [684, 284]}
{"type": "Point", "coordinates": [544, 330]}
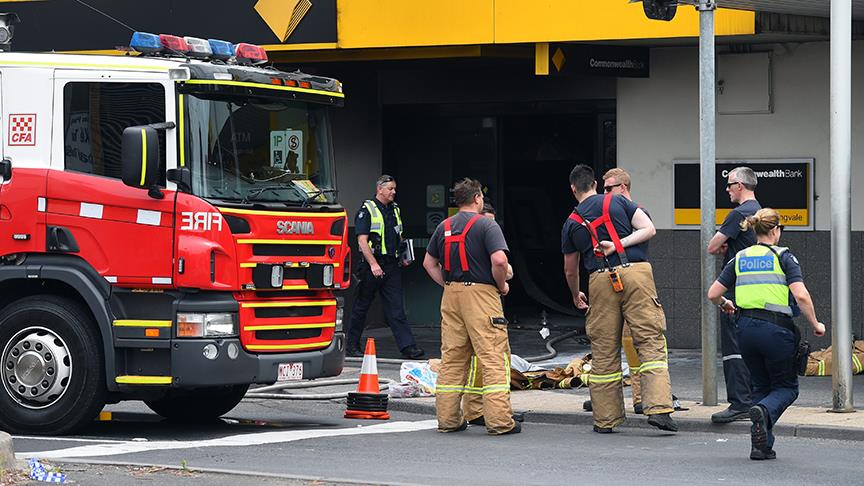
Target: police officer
{"type": "Point", "coordinates": [610, 232]}
{"type": "Point", "coordinates": [467, 255]}
{"type": "Point", "coordinates": [378, 225]}
{"type": "Point", "coordinates": [763, 276]}
{"type": "Point", "coordinates": [729, 240]}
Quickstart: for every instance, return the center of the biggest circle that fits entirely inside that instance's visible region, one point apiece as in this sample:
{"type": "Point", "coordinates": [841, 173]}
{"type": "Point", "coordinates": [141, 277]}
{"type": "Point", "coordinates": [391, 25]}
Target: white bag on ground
{"type": "Point", "coordinates": [421, 374]}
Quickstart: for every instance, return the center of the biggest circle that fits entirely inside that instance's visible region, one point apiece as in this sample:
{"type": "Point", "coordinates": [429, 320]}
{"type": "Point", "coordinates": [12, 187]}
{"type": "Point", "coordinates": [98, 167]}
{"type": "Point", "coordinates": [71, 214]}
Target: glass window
{"type": "Point", "coordinates": [94, 117]}
{"type": "Point", "coordinates": [249, 149]}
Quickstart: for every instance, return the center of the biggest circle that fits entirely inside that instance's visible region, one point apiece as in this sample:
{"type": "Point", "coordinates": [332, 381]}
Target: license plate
{"type": "Point", "coordinates": [290, 372]}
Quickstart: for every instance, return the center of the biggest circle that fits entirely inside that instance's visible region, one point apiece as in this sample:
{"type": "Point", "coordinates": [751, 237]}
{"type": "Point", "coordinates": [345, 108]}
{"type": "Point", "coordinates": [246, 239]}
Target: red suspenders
{"type": "Point", "coordinates": [459, 239]}
{"type": "Point", "coordinates": [605, 220]}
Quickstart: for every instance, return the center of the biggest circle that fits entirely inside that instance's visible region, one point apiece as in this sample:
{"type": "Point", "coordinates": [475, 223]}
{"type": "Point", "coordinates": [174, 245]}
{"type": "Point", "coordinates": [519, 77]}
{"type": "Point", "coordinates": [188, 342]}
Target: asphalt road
{"type": "Point", "coordinates": [311, 443]}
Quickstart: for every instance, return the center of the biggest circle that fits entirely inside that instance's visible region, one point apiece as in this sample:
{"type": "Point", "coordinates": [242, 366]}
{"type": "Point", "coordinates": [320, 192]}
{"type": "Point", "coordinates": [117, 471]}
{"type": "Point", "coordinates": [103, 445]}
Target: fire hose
{"type": "Point", "coordinates": [272, 391]}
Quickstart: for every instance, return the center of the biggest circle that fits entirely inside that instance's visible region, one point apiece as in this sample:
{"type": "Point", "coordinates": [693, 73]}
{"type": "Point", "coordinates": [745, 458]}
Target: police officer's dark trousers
{"type": "Point", "coordinates": [390, 287]}
{"type": "Point", "coordinates": [734, 368]}
{"type": "Point", "coordinates": [768, 349]}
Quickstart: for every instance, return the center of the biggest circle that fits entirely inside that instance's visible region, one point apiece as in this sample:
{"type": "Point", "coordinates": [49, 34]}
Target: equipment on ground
{"type": "Point", "coordinates": [154, 243]}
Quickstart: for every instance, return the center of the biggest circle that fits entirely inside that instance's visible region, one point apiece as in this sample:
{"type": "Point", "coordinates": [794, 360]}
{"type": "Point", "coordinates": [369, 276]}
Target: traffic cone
{"type": "Point", "coordinates": [368, 402]}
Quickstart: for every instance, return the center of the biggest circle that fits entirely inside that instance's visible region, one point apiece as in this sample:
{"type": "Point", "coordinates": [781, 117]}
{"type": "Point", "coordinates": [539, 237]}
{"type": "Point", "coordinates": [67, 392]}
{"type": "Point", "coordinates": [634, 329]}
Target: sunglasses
{"type": "Point", "coordinates": [730, 184]}
{"type": "Point", "coordinates": [613, 186]}
{"type": "Point", "coordinates": [782, 227]}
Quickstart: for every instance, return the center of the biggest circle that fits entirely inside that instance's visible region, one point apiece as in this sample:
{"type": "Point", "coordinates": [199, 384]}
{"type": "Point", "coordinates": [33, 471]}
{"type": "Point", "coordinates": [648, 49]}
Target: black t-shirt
{"type": "Point", "coordinates": [363, 225]}
{"type": "Point", "coordinates": [788, 263]}
{"type": "Point", "coordinates": [575, 237]}
{"type": "Point", "coordinates": [483, 239]}
{"type": "Point", "coordinates": [739, 240]}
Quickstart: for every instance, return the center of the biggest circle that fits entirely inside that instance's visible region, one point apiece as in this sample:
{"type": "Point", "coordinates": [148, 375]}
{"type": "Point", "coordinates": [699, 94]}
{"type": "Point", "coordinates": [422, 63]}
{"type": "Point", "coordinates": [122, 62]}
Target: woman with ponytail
{"type": "Point", "coordinates": [769, 291]}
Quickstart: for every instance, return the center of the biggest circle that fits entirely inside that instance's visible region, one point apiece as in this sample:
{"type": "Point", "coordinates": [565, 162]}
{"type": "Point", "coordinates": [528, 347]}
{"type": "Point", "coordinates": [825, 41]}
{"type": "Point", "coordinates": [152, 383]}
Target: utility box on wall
{"type": "Point", "coordinates": [744, 84]}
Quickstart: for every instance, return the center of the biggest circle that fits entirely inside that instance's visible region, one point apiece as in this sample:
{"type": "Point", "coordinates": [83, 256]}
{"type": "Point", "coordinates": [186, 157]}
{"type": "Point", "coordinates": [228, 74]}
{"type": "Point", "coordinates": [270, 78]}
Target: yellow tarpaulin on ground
{"type": "Point", "coordinates": [819, 362]}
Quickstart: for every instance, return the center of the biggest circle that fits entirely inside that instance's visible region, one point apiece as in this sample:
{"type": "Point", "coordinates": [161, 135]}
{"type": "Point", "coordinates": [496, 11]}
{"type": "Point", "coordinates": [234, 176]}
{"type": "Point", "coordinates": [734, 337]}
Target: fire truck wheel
{"type": "Point", "coordinates": [52, 366]}
{"type": "Point", "coordinates": [200, 404]}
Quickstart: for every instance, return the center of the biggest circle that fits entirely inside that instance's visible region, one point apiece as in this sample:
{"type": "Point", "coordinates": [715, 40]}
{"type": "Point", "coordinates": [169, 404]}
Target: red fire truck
{"type": "Point", "coordinates": [169, 231]}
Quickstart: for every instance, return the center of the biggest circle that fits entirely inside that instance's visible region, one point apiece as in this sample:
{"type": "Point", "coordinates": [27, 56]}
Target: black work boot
{"type": "Point", "coordinates": [604, 430]}
{"type": "Point", "coordinates": [517, 416]}
{"type": "Point", "coordinates": [517, 427]}
{"type": "Point", "coordinates": [637, 408]}
{"type": "Point", "coordinates": [462, 427]}
{"type": "Point", "coordinates": [759, 449]}
{"type": "Point", "coordinates": [413, 352]}
{"type": "Point", "coordinates": [663, 421]}
{"type": "Point", "coordinates": [352, 350]}
{"type": "Point", "coordinates": [586, 405]}
{"type": "Point", "coordinates": [729, 415]}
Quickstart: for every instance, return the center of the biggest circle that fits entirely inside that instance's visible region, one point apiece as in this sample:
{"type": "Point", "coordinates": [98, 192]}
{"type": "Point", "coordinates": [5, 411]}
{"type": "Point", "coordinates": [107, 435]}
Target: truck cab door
{"type": "Point", "coordinates": [123, 232]}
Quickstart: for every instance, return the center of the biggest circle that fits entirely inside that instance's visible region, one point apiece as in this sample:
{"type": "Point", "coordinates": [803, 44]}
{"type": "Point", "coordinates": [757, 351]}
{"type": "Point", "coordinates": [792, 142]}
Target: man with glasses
{"type": "Point", "coordinates": [610, 233]}
{"type": "Point", "coordinates": [467, 256]}
{"type": "Point", "coordinates": [378, 225]}
{"type": "Point", "coordinates": [729, 240]}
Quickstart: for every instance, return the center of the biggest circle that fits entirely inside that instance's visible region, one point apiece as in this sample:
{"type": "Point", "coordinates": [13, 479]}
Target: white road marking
{"type": "Point", "coordinates": [230, 441]}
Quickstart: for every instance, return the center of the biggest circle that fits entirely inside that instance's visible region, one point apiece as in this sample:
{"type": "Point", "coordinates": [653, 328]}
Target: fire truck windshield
{"type": "Point", "coordinates": [246, 149]}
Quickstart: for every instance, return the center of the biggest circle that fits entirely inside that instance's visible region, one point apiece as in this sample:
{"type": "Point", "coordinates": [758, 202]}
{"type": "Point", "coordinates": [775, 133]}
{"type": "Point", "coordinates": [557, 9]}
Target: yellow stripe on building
{"type": "Point", "coordinates": [789, 217]}
{"type": "Point", "coordinates": [397, 23]}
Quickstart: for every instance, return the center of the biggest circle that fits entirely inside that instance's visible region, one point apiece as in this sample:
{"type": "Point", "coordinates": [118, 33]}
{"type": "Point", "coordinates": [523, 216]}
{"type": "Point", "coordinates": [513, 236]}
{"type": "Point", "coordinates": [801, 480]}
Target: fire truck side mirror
{"type": "Point", "coordinates": [5, 170]}
{"type": "Point", "coordinates": [140, 148]}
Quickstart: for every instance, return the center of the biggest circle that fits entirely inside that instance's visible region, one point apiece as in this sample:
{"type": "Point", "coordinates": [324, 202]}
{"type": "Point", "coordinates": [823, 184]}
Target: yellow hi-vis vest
{"type": "Point", "coordinates": [377, 223]}
{"type": "Point", "coordinates": [759, 281]}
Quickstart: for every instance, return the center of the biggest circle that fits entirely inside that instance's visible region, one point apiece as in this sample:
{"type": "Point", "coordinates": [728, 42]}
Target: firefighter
{"type": "Point", "coordinates": [472, 400]}
{"type": "Point", "coordinates": [764, 275]}
{"type": "Point", "coordinates": [379, 232]}
{"type": "Point", "coordinates": [611, 233]}
{"type": "Point", "coordinates": [729, 240]}
{"type": "Point", "coordinates": [467, 256]}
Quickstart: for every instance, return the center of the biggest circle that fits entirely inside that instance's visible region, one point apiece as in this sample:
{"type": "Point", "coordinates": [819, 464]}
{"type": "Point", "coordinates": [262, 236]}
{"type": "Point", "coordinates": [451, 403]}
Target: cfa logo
{"type": "Point", "coordinates": [756, 264]}
{"type": "Point", "coordinates": [200, 221]}
{"type": "Point", "coordinates": [295, 228]}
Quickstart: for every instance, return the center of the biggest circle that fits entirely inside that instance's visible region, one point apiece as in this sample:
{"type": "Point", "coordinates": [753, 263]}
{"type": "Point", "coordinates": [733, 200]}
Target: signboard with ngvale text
{"type": "Point", "coordinates": [783, 184]}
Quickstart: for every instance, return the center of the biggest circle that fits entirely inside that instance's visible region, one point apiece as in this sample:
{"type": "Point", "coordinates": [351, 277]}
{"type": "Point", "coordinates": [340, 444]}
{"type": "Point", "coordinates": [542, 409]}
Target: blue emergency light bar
{"type": "Point", "coordinates": [145, 43]}
{"type": "Point", "coordinates": [222, 50]}
{"type": "Point", "coordinates": [242, 53]}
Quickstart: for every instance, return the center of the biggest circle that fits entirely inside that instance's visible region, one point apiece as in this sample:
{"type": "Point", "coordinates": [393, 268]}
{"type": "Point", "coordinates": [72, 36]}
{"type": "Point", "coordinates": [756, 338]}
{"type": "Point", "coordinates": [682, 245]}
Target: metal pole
{"type": "Point", "coordinates": [841, 191]}
{"type": "Point", "coordinates": [709, 225]}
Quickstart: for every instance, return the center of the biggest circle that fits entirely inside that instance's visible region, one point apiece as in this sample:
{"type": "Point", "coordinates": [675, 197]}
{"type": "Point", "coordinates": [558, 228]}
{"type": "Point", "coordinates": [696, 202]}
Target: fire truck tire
{"type": "Point", "coordinates": [53, 368]}
{"type": "Point", "coordinates": [199, 405]}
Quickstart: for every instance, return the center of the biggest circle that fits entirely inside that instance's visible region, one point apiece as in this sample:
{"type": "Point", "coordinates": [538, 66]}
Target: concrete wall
{"type": "Point", "coordinates": [658, 122]}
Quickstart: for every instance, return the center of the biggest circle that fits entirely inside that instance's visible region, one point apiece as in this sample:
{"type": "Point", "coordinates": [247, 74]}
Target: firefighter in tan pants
{"type": "Point", "coordinates": [467, 256]}
{"type": "Point", "coordinates": [472, 400]}
{"type": "Point", "coordinates": [611, 233]}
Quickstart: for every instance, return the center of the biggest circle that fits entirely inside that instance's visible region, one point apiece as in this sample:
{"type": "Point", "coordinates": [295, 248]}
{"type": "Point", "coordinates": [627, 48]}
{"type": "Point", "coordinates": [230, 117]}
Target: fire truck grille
{"type": "Point", "coordinates": [283, 334]}
{"type": "Point", "coordinates": [271, 312]}
{"type": "Point", "coordinates": [263, 249]}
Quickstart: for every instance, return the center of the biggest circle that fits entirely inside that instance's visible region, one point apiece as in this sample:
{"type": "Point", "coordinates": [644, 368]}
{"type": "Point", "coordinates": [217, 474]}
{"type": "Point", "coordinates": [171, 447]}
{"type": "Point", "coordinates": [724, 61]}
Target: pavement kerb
{"type": "Point", "coordinates": [684, 424]}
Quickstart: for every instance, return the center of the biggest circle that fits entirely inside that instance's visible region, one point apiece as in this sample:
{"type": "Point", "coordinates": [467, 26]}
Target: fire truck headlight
{"type": "Point", "coordinates": [340, 315]}
{"type": "Point", "coordinates": [196, 325]}
{"type": "Point", "coordinates": [328, 275]}
{"type": "Point", "coordinates": [220, 325]}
